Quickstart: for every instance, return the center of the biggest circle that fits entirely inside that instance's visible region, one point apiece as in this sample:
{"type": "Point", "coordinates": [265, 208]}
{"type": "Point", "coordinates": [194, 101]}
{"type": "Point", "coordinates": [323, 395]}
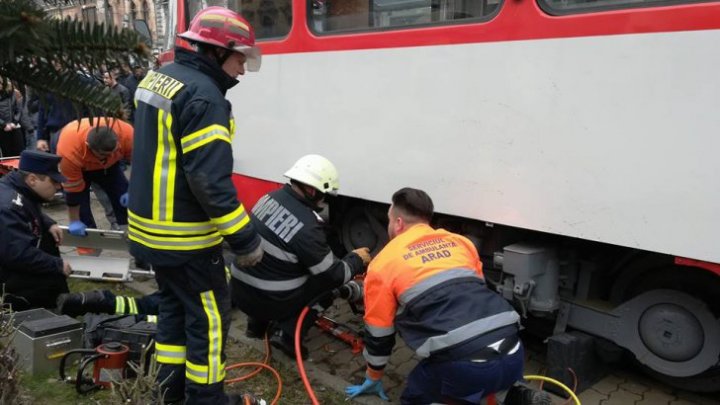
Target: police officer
{"type": "Point", "coordinates": [30, 264]}
{"type": "Point", "coordinates": [182, 203]}
{"type": "Point", "coordinates": [427, 284]}
{"type": "Point", "coordinates": [298, 264]}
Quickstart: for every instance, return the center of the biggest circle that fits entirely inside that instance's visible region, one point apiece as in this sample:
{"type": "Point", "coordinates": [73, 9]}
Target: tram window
{"type": "Point", "coordinates": [269, 18]}
{"type": "Point", "coordinates": [327, 16]}
{"type": "Point", "coordinates": [561, 7]}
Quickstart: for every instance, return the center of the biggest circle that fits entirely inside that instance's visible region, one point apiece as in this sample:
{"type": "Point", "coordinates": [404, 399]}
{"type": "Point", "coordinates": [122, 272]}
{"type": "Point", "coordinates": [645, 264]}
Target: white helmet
{"type": "Point", "coordinates": [317, 172]}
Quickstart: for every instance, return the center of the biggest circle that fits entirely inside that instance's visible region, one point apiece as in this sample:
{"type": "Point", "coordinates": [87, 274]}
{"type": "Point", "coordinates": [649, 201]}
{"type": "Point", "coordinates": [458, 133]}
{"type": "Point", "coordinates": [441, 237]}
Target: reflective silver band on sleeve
{"type": "Point", "coordinates": [268, 285]}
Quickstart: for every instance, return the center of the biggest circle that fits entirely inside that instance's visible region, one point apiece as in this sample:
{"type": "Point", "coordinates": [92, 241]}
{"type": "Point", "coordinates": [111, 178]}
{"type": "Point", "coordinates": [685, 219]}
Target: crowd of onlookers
{"type": "Point", "coordinates": [30, 122]}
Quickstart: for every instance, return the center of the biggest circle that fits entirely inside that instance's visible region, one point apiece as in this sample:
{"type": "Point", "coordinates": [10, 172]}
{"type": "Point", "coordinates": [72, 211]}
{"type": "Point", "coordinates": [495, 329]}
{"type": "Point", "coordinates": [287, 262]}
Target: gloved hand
{"type": "Point", "coordinates": [249, 259]}
{"type": "Point", "coordinates": [369, 386]}
{"type": "Point", "coordinates": [77, 228]}
{"type": "Point", "coordinates": [124, 200]}
{"type": "Point", "coordinates": [364, 254]}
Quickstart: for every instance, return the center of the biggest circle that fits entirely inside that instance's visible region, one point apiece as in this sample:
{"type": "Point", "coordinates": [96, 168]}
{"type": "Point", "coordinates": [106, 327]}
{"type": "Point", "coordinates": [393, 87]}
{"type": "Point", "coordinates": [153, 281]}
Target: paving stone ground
{"type": "Point", "coordinates": [333, 365]}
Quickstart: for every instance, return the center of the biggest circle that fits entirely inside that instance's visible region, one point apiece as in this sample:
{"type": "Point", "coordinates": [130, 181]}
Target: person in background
{"type": "Point", "coordinates": [127, 78]}
{"type": "Point", "coordinates": [110, 80]}
{"type": "Point", "coordinates": [14, 120]}
{"type": "Point", "coordinates": [427, 284]}
{"type": "Point", "coordinates": [91, 151]}
{"type": "Point", "coordinates": [139, 72]}
{"type": "Point", "coordinates": [183, 204]}
{"type": "Point", "coordinates": [31, 270]}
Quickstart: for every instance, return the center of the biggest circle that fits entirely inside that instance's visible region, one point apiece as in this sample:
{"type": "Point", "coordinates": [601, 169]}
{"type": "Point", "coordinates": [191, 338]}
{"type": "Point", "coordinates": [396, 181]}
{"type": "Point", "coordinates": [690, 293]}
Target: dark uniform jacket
{"type": "Point", "coordinates": [30, 264]}
{"type": "Point", "coordinates": [427, 284]}
{"type": "Point", "coordinates": [182, 200]}
{"type": "Point", "coordinates": [297, 263]}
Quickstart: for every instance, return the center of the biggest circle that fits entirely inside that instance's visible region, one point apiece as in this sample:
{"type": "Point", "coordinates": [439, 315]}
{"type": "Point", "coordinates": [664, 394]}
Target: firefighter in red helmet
{"type": "Point", "coordinates": [182, 203]}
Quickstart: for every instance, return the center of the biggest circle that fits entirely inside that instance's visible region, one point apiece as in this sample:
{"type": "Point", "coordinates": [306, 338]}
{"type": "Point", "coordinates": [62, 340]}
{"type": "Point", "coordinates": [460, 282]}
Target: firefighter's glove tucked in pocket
{"type": "Point", "coordinates": [249, 259]}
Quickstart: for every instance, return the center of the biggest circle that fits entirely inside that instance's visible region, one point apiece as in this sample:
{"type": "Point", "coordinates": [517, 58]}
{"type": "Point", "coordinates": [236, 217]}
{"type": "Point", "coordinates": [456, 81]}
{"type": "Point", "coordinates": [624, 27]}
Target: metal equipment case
{"type": "Point", "coordinates": [43, 338]}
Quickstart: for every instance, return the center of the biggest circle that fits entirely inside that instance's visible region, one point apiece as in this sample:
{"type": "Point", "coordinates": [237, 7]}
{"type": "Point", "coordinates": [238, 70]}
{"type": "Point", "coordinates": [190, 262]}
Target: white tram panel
{"type": "Point", "coordinates": [607, 138]}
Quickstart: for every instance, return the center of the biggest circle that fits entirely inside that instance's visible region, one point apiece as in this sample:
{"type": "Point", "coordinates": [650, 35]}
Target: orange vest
{"type": "Point", "coordinates": [412, 256]}
{"type": "Point", "coordinates": [77, 157]}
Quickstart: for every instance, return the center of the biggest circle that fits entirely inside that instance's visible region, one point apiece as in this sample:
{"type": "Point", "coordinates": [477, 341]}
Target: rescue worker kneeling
{"type": "Point", "coordinates": [298, 264]}
{"type": "Point", "coordinates": [31, 269]}
{"type": "Point", "coordinates": [427, 284]}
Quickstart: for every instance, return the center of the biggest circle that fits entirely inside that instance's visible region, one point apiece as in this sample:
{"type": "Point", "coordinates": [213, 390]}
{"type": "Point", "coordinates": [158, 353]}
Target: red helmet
{"type": "Point", "coordinates": [226, 29]}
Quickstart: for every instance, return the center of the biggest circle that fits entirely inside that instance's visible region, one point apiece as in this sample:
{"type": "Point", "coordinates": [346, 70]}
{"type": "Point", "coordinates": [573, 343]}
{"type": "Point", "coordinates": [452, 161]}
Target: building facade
{"type": "Point", "coordinates": [118, 13]}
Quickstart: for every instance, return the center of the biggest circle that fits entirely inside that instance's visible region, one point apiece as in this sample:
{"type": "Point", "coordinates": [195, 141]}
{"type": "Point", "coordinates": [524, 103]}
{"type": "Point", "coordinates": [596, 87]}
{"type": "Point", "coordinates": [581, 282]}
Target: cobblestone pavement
{"type": "Point", "coordinates": [333, 364]}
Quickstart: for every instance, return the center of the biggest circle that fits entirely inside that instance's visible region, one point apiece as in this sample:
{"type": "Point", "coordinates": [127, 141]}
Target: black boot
{"type": "Point", "coordinates": [256, 329]}
{"type": "Point", "coordinates": [75, 304]}
{"type": "Point", "coordinates": [286, 344]}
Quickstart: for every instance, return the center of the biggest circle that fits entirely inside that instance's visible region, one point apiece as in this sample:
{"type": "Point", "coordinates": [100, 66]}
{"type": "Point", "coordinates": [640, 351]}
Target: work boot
{"type": "Point", "coordinates": [245, 399]}
{"type": "Point", "coordinates": [256, 328]}
{"type": "Point", "coordinates": [520, 394]}
{"type": "Point", "coordinates": [286, 344]}
{"type": "Point", "coordinates": [75, 304]}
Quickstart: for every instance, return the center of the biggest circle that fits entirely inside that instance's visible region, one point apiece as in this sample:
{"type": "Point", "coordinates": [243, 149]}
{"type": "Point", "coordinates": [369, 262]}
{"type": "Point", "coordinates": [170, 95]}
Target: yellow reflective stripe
{"type": "Point", "coordinates": [174, 243]}
{"type": "Point", "coordinates": [133, 306]}
{"type": "Point", "coordinates": [172, 169]}
{"type": "Point", "coordinates": [169, 354]}
{"type": "Point", "coordinates": [199, 374]}
{"type": "Point", "coordinates": [232, 222]}
{"type": "Point", "coordinates": [179, 232]}
{"type": "Point", "coordinates": [204, 136]}
{"type": "Point", "coordinates": [158, 169]}
{"type": "Point", "coordinates": [119, 305]}
{"type": "Point", "coordinates": [232, 128]}
{"type": "Point", "coordinates": [151, 318]}
{"type": "Point", "coordinates": [171, 228]}
{"type": "Point", "coordinates": [228, 274]}
{"type": "Point", "coordinates": [215, 366]}
{"type": "Point", "coordinates": [164, 171]}
{"type": "Point", "coordinates": [196, 373]}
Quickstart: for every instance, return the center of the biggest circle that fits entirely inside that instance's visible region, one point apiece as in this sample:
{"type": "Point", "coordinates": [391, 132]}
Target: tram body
{"type": "Point", "coordinates": [576, 142]}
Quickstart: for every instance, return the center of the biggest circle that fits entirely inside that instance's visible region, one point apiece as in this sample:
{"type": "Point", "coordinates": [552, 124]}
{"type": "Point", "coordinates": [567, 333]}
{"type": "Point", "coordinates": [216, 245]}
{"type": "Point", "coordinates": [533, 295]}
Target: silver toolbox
{"type": "Point", "coordinates": [43, 338]}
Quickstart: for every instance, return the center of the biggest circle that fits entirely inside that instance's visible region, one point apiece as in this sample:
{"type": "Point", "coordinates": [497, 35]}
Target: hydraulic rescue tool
{"type": "Point", "coordinates": [109, 362]}
{"type": "Point", "coordinates": [352, 292]}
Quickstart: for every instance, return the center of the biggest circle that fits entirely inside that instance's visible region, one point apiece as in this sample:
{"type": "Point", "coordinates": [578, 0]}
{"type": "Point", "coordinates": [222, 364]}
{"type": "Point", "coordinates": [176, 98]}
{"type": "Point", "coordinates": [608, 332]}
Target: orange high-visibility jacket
{"type": "Point", "coordinates": [428, 285]}
{"type": "Point", "coordinates": [77, 157]}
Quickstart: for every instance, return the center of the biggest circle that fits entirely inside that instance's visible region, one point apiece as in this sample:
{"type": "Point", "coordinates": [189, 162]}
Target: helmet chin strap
{"type": "Point", "coordinates": [315, 199]}
{"type": "Point", "coordinates": [219, 54]}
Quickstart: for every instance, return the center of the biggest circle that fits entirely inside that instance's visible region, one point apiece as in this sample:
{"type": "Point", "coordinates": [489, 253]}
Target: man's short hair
{"type": "Point", "coordinates": [102, 138]}
{"type": "Point", "coordinates": [414, 203]}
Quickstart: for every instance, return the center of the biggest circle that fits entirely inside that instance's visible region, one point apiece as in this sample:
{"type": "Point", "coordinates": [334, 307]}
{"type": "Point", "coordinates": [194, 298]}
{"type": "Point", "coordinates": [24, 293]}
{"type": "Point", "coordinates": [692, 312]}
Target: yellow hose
{"type": "Point", "coordinates": [556, 382]}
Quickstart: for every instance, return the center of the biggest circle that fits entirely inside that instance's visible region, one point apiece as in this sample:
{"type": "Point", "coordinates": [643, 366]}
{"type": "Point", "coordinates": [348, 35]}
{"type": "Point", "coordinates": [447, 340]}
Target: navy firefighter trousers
{"type": "Point", "coordinates": [192, 328]}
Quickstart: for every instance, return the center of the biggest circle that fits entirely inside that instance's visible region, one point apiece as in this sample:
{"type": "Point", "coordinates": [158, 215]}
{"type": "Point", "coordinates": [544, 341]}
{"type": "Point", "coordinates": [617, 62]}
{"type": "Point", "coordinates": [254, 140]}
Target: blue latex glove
{"type": "Point", "coordinates": [124, 200]}
{"type": "Point", "coordinates": [77, 228]}
{"type": "Point", "coordinates": [369, 386]}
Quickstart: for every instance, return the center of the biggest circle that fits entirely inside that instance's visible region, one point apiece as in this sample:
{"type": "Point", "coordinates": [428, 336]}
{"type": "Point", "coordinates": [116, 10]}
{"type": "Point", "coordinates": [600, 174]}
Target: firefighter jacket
{"type": "Point", "coordinates": [428, 285]}
{"type": "Point", "coordinates": [28, 255]}
{"type": "Point", "coordinates": [182, 200]}
{"type": "Point", "coordinates": [77, 157]}
{"type": "Point", "coordinates": [295, 250]}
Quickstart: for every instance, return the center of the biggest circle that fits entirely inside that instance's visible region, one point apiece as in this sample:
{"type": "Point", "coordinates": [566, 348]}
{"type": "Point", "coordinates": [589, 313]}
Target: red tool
{"type": "Point", "coordinates": [7, 165]}
{"type": "Point", "coordinates": [111, 365]}
{"type": "Point", "coordinates": [109, 361]}
{"type": "Point", "coordinates": [341, 332]}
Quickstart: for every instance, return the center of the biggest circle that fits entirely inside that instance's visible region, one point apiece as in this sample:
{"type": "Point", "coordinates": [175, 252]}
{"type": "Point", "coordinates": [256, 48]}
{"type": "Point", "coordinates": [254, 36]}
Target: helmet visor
{"type": "Point", "coordinates": [253, 55]}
